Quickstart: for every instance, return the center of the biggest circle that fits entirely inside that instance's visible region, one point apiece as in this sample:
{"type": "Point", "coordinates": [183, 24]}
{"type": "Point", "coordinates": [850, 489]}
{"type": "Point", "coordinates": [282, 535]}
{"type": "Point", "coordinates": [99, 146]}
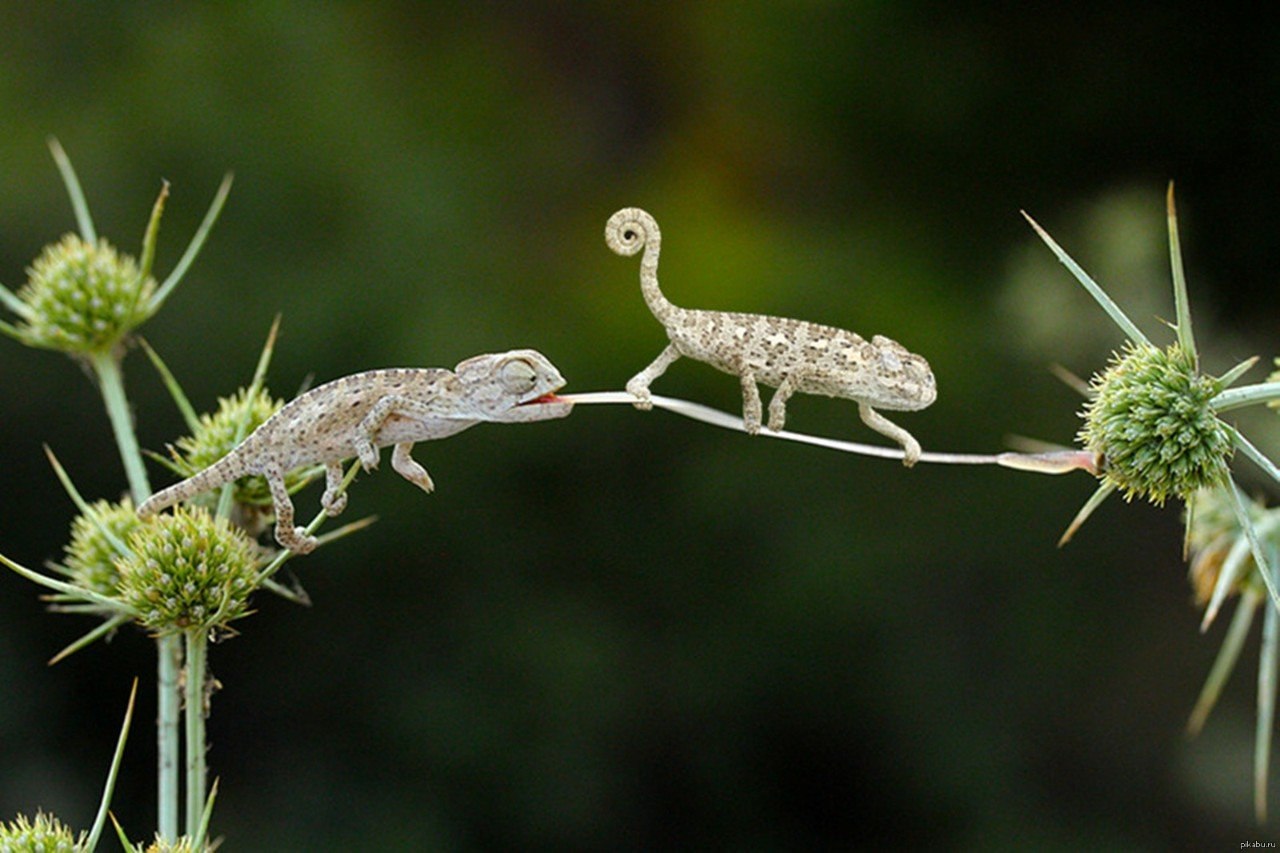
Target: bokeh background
{"type": "Point", "coordinates": [627, 630]}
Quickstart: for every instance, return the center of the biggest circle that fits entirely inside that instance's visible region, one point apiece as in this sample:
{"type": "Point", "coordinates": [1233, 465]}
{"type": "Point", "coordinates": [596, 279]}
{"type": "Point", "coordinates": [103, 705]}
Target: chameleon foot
{"type": "Point", "coordinates": [641, 393]}
{"type": "Point", "coordinates": [910, 451]}
{"type": "Point", "coordinates": [333, 504]}
{"type": "Point", "coordinates": [886, 427]}
{"type": "Point", "coordinates": [296, 539]}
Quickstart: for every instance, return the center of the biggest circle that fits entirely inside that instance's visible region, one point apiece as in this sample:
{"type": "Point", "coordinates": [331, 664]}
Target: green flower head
{"type": "Point", "coordinates": [188, 571]}
{"type": "Point", "coordinates": [83, 297]}
{"type": "Point", "coordinates": [217, 434]}
{"type": "Point", "coordinates": [93, 551]}
{"type": "Point", "coordinates": [45, 834]}
{"type": "Point", "coordinates": [1150, 418]}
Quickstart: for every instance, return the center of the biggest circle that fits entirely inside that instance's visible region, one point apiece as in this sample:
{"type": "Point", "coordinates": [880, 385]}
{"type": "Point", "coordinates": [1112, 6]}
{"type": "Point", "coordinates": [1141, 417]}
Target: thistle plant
{"type": "Point", "coordinates": [185, 577]}
{"type": "Point", "coordinates": [84, 298]}
{"type": "Point", "coordinates": [215, 435]}
{"type": "Point", "coordinates": [1153, 420]}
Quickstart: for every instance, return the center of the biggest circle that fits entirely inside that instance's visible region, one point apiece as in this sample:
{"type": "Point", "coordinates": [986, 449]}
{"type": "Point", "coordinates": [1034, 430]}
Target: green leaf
{"type": "Point", "coordinates": [1186, 339]}
{"type": "Point", "coordinates": [1095, 290]}
{"type": "Point", "coordinates": [78, 203]}
{"type": "Point", "coordinates": [197, 242]}
{"type": "Point", "coordinates": [1225, 662]}
{"type": "Point", "coordinates": [104, 808]}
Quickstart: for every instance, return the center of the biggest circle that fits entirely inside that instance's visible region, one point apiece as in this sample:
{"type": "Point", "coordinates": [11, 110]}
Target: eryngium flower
{"type": "Point", "coordinates": [1150, 418]}
{"type": "Point", "coordinates": [188, 571]}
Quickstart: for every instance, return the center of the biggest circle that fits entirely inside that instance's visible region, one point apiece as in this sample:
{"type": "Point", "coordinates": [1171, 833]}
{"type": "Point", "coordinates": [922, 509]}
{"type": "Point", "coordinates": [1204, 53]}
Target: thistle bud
{"type": "Point", "coordinates": [1150, 418]}
{"type": "Point", "coordinates": [45, 834]}
{"type": "Point", "coordinates": [187, 571]}
{"type": "Point", "coordinates": [83, 297]}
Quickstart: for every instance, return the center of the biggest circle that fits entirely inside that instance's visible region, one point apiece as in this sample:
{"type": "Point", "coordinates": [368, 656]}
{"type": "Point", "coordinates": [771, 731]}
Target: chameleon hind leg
{"type": "Point", "coordinates": [293, 538]}
{"type": "Point", "coordinates": [886, 427]}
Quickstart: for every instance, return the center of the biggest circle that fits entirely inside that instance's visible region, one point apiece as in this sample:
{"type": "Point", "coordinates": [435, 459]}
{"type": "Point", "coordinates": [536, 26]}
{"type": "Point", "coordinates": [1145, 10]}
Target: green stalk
{"type": "Point", "coordinates": [111, 381]}
{"type": "Point", "coordinates": [197, 781]}
{"type": "Point", "coordinates": [169, 648]}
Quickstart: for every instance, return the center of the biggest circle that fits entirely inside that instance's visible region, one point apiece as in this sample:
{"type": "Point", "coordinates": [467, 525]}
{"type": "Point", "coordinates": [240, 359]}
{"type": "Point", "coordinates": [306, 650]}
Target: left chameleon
{"type": "Point", "coordinates": [358, 414]}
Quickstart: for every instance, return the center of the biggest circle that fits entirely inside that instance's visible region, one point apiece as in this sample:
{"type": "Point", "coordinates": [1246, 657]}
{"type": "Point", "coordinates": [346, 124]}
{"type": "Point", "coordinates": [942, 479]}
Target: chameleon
{"type": "Point", "coordinates": [789, 355]}
{"type": "Point", "coordinates": [359, 414]}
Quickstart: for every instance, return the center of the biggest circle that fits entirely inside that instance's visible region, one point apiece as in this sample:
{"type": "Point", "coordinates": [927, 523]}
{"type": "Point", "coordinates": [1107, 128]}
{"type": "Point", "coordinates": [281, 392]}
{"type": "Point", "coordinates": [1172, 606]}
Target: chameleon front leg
{"type": "Point", "coordinates": [751, 403]}
{"type": "Point", "coordinates": [882, 425]}
{"type": "Point", "coordinates": [333, 502]}
{"type": "Point", "coordinates": [367, 429]}
{"type": "Point", "coordinates": [778, 405]}
{"type": "Point", "coordinates": [406, 466]}
{"type": "Point", "coordinates": [638, 385]}
{"type": "Point", "coordinates": [293, 538]}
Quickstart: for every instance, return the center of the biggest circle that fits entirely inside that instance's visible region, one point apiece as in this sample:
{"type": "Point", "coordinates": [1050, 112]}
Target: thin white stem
{"type": "Point", "coordinates": [1047, 463]}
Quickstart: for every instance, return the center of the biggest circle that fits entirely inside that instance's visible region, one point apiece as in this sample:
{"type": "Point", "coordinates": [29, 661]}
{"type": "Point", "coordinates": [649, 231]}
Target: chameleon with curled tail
{"type": "Point", "coordinates": [358, 414]}
{"type": "Point", "coordinates": [789, 355]}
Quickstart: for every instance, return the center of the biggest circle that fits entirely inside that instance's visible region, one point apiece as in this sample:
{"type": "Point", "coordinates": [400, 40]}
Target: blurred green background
{"type": "Point", "coordinates": [627, 630]}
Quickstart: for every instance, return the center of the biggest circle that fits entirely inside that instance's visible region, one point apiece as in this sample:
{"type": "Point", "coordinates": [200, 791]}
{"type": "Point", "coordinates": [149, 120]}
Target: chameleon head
{"type": "Point", "coordinates": [514, 386]}
{"type": "Point", "coordinates": [903, 380]}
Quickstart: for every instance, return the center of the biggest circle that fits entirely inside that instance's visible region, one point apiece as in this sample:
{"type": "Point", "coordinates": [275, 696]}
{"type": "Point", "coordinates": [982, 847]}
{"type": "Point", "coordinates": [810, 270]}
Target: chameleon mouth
{"type": "Point", "coordinates": [544, 399]}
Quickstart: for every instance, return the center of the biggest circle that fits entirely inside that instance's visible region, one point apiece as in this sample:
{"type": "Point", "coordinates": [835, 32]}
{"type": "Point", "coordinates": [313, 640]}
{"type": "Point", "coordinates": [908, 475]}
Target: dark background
{"type": "Point", "coordinates": [628, 630]}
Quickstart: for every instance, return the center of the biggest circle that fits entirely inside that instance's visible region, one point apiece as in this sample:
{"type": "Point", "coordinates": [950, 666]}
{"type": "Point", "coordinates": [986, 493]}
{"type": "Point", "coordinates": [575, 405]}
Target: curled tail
{"type": "Point", "coordinates": [627, 232]}
{"type": "Point", "coordinates": [220, 473]}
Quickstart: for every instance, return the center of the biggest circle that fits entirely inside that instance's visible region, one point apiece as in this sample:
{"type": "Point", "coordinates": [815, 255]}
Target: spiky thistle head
{"type": "Point", "coordinates": [188, 571]}
{"type": "Point", "coordinates": [95, 547]}
{"type": "Point", "coordinates": [217, 434]}
{"type": "Point", "coordinates": [1213, 533]}
{"type": "Point", "coordinates": [82, 297]}
{"type": "Point", "coordinates": [1149, 417]}
{"type": "Point", "coordinates": [45, 834]}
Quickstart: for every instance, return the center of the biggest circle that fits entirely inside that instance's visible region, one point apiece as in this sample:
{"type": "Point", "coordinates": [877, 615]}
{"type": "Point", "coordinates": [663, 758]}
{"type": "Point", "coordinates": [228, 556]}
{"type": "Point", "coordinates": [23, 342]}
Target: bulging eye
{"type": "Point", "coordinates": [518, 376]}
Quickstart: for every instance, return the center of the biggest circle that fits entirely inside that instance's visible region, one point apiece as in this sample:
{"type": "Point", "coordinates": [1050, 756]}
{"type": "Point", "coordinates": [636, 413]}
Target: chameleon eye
{"type": "Point", "coordinates": [518, 376]}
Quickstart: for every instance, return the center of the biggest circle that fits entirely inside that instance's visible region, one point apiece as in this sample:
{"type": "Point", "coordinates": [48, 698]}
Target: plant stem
{"type": "Point", "coordinates": [169, 649]}
{"type": "Point", "coordinates": [197, 645]}
{"type": "Point", "coordinates": [107, 368]}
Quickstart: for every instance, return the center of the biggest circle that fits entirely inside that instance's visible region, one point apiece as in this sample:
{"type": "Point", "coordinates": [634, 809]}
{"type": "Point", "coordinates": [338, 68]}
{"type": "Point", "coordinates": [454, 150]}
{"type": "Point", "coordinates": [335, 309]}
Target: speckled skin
{"type": "Point", "coordinates": [358, 414]}
{"type": "Point", "coordinates": [790, 355]}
